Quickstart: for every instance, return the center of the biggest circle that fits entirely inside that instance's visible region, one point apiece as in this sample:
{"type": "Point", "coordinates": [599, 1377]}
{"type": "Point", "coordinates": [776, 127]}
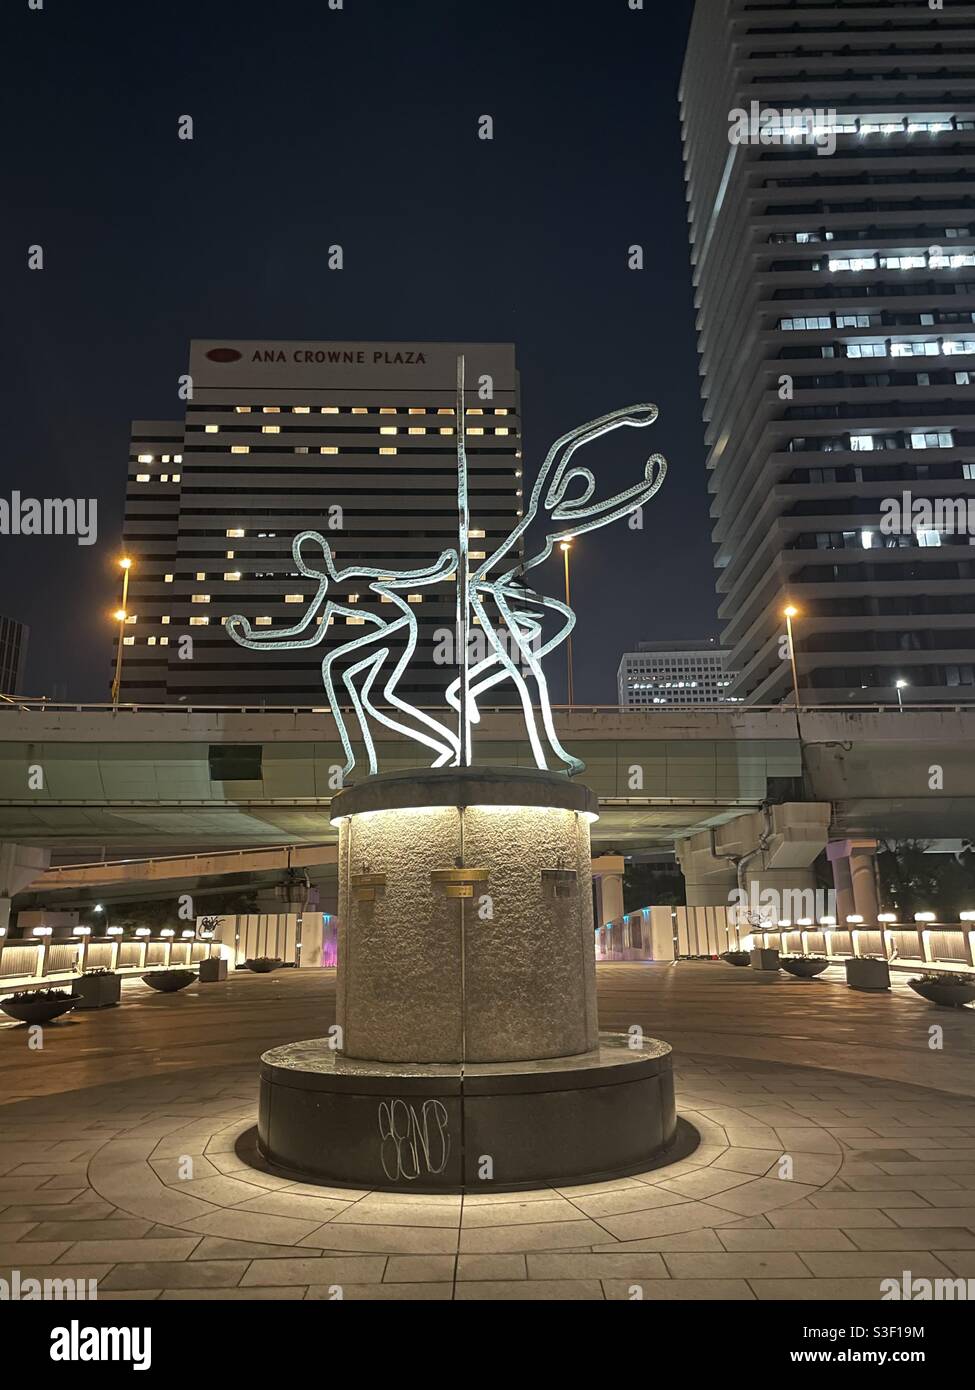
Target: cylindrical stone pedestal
{"type": "Point", "coordinates": [467, 1055]}
{"type": "Point", "coordinates": [465, 909]}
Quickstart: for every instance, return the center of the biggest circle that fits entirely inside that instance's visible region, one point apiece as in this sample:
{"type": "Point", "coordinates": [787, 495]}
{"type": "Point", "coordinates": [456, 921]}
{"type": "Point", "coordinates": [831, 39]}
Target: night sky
{"type": "Point", "coordinates": [357, 126]}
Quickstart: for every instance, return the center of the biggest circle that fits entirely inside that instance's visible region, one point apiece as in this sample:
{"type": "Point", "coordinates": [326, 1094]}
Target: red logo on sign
{"type": "Point", "coordinates": [224, 355]}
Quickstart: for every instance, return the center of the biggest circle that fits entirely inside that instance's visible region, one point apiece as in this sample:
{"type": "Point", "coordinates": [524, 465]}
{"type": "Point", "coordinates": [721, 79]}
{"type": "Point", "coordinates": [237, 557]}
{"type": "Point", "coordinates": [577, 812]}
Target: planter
{"type": "Point", "coordinates": [950, 994]}
{"type": "Point", "coordinates": [212, 969]}
{"type": "Point", "coordinates": [736, 957]}
{"type": "Point", "coordinates": [168, 981]}
{"type": "Point", "coordinates": [97, 991]}
{"type": "Point", "coordinates": [803, 967]}
{"type": "Point", "coordinates": [263, 965]}
{"type": "Point", "coordinates": [763, 958]}
{"type": "Point", "coordinates": [867, 973]}
{"type": "Point", "coordinates": [42, 1009]}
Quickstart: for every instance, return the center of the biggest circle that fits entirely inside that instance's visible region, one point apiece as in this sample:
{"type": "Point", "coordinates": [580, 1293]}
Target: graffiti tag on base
{"type": "Point", "coordinates": [413, 1143]}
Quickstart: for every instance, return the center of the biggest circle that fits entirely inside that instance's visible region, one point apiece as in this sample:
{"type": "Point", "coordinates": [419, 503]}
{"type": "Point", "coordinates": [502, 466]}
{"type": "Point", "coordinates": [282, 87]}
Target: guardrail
{"type": "Point", "coordinates": [33, 705]}
{"type": "Point", "coordinates": [31, 964]}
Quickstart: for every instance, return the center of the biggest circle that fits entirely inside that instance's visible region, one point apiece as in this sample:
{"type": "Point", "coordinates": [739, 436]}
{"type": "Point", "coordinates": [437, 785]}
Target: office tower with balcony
{"type": "Point", "coordinates": [353, 440]}
{"type": "Point", "coordinates": [833, 259]}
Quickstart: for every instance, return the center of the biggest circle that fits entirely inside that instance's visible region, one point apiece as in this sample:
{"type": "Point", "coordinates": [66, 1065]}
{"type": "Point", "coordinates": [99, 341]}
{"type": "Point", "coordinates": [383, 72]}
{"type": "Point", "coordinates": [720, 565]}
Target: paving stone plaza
{"type": "Point", "coordinates": [837, 1149]}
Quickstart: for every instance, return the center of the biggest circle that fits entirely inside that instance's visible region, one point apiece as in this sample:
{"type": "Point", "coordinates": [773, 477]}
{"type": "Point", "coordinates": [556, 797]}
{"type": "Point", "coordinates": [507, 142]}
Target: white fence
{"type": "Point", "coordinates": [30, 963]}
{"type": "Point", "coordinates": [296, 938]}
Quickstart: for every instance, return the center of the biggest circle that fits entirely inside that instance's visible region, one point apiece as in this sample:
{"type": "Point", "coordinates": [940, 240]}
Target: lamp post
{"type": "Point", "coordinates": [565, 546]}
{"type": "Point", "coordinates": [900, 685]}
{"type": "Point", "coordinates": [120, 617]}
{"type": "Point", "coordinates": [791, 612]}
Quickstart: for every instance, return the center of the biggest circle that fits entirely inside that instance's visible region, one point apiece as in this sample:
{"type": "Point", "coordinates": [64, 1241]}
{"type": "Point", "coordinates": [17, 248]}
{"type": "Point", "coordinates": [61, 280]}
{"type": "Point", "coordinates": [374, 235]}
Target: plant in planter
{"type": "Point", "coordinates": [736, 957]}
{"type": "Point", "coordinates": [98, 988]}
{"type": "Point", "coordinates": [950, 991]}
{"type": "Point", "coordinates": [804, 967]}
{"type": "Point", "coordinates": [263, 965]}
{"type": "Point", "coordinates": [168, 981]}
{"type": "Point", "coordinates": [37, 1005]}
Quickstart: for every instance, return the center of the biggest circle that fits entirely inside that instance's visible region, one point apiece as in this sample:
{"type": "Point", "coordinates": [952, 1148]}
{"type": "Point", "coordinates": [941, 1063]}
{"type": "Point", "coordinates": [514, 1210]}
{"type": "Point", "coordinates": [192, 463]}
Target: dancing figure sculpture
{"type": "Point", "coordinates": [510, 613]}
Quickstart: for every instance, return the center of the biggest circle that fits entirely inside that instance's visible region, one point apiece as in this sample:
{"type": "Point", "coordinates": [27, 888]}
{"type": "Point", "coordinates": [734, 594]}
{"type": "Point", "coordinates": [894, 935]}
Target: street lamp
{"type": "Point", "coordinates": [900, 685]}
{"type": "Point", "coordinates": [120, 616]}
{"type": "Point", "coordinates": [790, 612]}
{"type": "Point", "coordinates": [565, 546]}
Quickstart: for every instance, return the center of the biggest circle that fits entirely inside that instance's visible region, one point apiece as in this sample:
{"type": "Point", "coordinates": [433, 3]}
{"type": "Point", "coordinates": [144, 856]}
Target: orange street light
{"type": "Point", "coordinates": [790, 612]}
{"type": "Point", "coordinates": [565, 546]}
{"type": "Point", "coordinates": [121, 615]}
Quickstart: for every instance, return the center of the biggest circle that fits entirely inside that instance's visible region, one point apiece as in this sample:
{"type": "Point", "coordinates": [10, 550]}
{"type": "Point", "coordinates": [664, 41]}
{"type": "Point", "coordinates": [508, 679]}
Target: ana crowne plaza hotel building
{"type": "Point", "coordinates": [836, 318]}
{"type": "Point", "coordinates": [354, 440]}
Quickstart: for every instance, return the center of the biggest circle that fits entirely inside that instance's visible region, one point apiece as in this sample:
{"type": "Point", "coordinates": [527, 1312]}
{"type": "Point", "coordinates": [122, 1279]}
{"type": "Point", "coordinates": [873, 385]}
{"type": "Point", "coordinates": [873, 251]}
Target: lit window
{"type": "Point", "coordinates": [164, 477]}
{"type": "Point", "coordinates": [176, 477]}
{"type": "Point", "coordinates": [294, 598]}
{"type": "Point", "coordinates": [167, 579]}
{"type": "Point", "coordinates": [235, 531]}
{"type": "Point", "coordinates": [200, 574]}
{"type": "Point", "coordinates": [501, 429]}
{"type": "Point", "coordinates": [240, 448]}
{"type": "Point", "coordinates": [353, 598]}
{"type": "Point", "coordinates": [501, 410]}
{"type": "Point", "coordinates": [328, 449]}
{"type": "Point", "coordinates": [475, 429]}
{"type": "Point", "coordinates": [199, 622]}
{"type": "Point", "coordinates": [145, 458]}
{"type": "Point", "coordinates": [446, 429]}
{"type": "Point", "coordinates": [445, 410]}
{"type": "Point", "coordinates": [131, 618]}
{"type": "Point", "coordinates": [418, 410]}
{"type": "Point", "coordinates": [165, 458]}
{"type": "Point", "coordinates": [262, 622]}
{"type": "Point", "coordinates": [474, 410]}
{"type": "Point", "coordinates": [387, 450]}
{"type": "Point", "coordinates": [164, 641]}
{"type": "Point", "coordinates": [360, 410]}
{"type": "Point", "coordinates": [387, 429]}
{"type": "Point", "coordinates": [329, 409]}
{"type": "Point", "coordinates": [200, 598]}
{"type": "Point", "coordinates": [150, 641]}
{"type": "Point", "coordinates": [355, 621]}
{"type": "Point", "coordinates": [212, 429]}
{"type": "Point", "coordinates": [418, 429]}
{"type": "Point", "coordinates": [270, 429]}
{"type": "Point", "coordinates": [272, 410]}
{"type": "Point", "coordinates": [128, 641]}
{"type": "Point", "coordinates": [142, 477]}
{"type": "Point", "coordinates": [232, 576]}
{"type": "Point", "coordinates": [229, 555]}
{"type": "Point", "coordinates": [164, 618]}
{"type": "Point", "coordinates": [387, 410]}
{"type": "Point", "coordinates": [301, 410]}
{"type": "Point", "coordinates": [477, 554]}
{"type": "Point", "coordinates": [177, 458]}
{"type": "Point", "coordinates": [414, 598]}
{"type": "Point", "coordinates": [242, 409]}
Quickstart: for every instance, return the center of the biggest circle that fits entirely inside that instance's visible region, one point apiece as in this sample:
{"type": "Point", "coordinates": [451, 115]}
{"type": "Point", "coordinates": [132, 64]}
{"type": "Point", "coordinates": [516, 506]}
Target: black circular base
{"type": "Point", "coordinates": [470, 1128]}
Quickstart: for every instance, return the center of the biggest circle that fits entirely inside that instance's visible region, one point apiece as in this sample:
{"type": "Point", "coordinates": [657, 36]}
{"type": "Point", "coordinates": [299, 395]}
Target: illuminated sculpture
{"type": "Point", "coordinates": [508, 611]}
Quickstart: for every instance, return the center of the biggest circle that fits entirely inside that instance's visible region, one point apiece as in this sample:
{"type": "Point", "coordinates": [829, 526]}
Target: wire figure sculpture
{"type": "Point", "coordinates": [494, 596]}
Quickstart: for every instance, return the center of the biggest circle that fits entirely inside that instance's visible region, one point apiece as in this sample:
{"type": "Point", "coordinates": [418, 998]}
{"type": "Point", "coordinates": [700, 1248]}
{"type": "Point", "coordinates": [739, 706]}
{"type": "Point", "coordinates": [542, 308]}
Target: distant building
{"type": "Point", "coordinates": [354, 440]}
{"type": "Point", "coordinates": [13, 656]}
{"type": "Point", "coordinates": [673, 673]}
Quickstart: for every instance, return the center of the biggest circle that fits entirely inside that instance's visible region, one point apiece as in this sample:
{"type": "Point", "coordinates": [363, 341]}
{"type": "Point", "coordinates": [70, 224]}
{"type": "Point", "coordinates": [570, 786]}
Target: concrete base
{"type": "Point", "coordinates": [468, 1128]}
{"type": "Point", "coordinates": [865, 972]}
{"type": "Point", "coordinates": [764, 959]}
{"type": "Point", "coordinates": [212, 969]}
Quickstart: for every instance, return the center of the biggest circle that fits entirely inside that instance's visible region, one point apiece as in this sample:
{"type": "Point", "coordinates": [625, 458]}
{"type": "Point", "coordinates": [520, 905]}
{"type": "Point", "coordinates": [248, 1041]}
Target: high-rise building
{"type": "Point", "coordinates": [829, 152]}
{"type": "Point", "coordinates": [673, 673]}
{"type": "Point", "coordinates": [353, 440]}
{"type": "Point", "coordinates": [13, 656]}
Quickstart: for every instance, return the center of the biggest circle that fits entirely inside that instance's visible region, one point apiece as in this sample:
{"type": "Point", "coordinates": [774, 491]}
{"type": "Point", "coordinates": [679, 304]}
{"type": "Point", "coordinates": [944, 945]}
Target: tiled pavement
{"type": "Point", "coordinates": [808, 1184]}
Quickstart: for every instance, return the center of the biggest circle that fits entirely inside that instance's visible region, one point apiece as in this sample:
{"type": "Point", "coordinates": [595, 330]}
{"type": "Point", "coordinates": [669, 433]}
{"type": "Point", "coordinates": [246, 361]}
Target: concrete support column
{"type": "Point", "coordinates": [607, 871]}
{"type": "Point", "coordinates": [838, 856]}
{"type": "Point", "coordinates": [19, 866]}
{"type": "Point", "coordinates": [854, 873]}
